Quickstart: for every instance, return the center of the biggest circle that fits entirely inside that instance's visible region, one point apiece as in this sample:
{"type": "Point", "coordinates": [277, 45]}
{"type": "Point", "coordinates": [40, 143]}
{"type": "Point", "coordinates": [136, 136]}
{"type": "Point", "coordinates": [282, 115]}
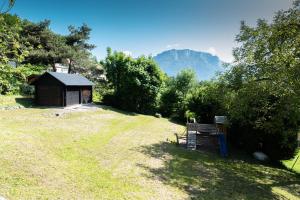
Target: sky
{"type": "Point", "coordinates": [148, 27]}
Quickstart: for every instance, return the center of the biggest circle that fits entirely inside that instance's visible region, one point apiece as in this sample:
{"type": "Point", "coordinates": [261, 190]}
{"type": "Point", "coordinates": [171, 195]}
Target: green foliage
{"type": "Point", "coordinates": [136, 83]}
{"type": "Point", "coordinates": [173, 100]}
{"type": "Point", "coordinates": [79, 53]}
{"type": "Point", "coordinates": [10, 80]}
{"type": "Point", "coordinates": [13, 80]}
{"type": "Point", "coordinates": [206, 101]}
{"type": "Point", "coordinates": [46, 47]}
{"type": "Point", "coordinates": [263, 86]}
{"type": "Point", "coordinates": [11, 48]}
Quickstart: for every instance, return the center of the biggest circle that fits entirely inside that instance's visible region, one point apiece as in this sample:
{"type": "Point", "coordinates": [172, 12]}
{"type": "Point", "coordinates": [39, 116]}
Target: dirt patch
{"type": "Point", "coordinates": [76, 108]}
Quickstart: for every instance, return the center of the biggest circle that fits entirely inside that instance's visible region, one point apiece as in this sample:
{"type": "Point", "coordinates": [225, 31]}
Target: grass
{"type": "Point", "coordinates": [15, 100]}
{"type": "Point", "coordinates": [108, 154]}
{"type": "Point", "coordinates": [289, 163]}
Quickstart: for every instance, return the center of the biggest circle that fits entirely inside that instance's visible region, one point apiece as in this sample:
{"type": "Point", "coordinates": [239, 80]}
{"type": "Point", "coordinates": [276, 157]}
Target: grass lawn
{"type": "Point", "coordinates": [108, 154]}
{"type": "Point", "coordinates": [14, 100]}
{"type": "Point", "coordinates": [289, 163]}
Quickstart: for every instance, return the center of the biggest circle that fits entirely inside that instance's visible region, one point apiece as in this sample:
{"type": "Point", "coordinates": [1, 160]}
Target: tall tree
{"type": "Point", "coordinates": [77, 41]}
{"type": "Point", "coordinates": [173, 97]}
{"type": "Point", "coordinates": [136, 82]}
{"type": "Point", "coordinates": [265, 98]}
{"type": "Point", "coordinates": [11, 47]}
{"type": "Point", "coordinates": [46, 47]}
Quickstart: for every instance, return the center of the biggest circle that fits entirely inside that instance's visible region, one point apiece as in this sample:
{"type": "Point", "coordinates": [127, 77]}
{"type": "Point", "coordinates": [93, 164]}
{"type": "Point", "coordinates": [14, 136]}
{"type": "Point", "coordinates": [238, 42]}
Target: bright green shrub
{"type": "Point", "coordinates": [13, 80]}
{"type": "Point", "coordinates": [135, 83]}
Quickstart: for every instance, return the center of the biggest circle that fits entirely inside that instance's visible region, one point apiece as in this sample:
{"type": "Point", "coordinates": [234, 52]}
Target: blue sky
{"type": "Point", "coordinates": [151, 26]}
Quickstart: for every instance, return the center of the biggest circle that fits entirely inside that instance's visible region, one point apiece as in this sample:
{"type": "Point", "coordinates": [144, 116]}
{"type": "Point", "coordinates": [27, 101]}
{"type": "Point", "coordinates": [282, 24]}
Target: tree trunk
{"type": "Point", "coordinates": [53, 67]}
{"type": "Point", "coordinates": [70, 67]}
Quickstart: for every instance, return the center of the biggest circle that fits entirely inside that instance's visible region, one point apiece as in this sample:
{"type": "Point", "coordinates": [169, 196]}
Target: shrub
{"type": "Point", "coordinates": [206, 102]}
{"type": "Point", "coordinates": [26, 89]}
{"type": "Point", "coordinates": [265, 121]}
{"type": "Point", "coordinates": [13, 80]}
{"type": "Point", "coordinates": [10, 80]}
{"type": "Point", "coordinates": [173, 100]}
{"type": "Point", "coordinates": [135, 83]}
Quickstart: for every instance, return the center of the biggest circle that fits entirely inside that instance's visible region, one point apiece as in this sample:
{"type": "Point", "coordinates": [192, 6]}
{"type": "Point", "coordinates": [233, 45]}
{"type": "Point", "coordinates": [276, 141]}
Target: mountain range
{"type": "Point", "coordinates": [173, 61]}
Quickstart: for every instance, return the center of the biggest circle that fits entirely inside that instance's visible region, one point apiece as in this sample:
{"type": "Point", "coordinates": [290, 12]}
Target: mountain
{"type": "Point", "coordinates": [173, 61]}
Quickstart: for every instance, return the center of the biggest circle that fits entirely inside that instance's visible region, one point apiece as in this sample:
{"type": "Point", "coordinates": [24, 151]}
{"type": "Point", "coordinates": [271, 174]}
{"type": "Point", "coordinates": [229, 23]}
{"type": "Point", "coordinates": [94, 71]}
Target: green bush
{"type": "Point", "coordinates": [13, 80]}
{"type": "Point", "coordinates": [135, 83]}
{"type": "Point", "coordinates": [10, 80]}
{"type": "Point", "coordinates": [263, 120]}
{"type": "Point", "coordinates": [173, 99]}
{"type": "Point", "coordinates": [26, 89]}
{"type": "Point", "coordinates": [206, 102]}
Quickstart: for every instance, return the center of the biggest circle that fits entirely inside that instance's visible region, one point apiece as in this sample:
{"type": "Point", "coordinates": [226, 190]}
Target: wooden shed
{"type": "Point", "coordinates": [61, 89]}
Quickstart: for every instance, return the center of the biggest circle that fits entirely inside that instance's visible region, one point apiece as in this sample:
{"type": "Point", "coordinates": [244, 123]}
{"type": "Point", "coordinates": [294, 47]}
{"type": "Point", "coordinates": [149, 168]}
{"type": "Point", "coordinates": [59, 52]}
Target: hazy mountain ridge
{"type": "Point", "coordinates": [173, 61]}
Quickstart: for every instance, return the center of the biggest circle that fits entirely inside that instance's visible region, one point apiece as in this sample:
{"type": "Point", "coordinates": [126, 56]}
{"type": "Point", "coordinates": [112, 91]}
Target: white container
{"type": "Point", "coordinates": [220, 119]}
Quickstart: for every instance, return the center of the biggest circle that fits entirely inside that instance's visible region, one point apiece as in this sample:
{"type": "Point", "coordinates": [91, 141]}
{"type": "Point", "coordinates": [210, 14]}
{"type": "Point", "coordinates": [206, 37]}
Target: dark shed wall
{"type": "Point", "coordinates": [49, 91]}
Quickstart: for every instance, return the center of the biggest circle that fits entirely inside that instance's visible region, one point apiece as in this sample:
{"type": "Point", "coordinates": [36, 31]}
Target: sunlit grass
{"type": "Point", "coordinates": [109, 154]}
{"type": "Point", "coordinates": [14, 100]}
{"type": "Point", "coordinates": [291, 162]}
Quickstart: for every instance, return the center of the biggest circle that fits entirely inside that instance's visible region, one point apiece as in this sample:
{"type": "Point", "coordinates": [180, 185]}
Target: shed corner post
{"type": "Point", "coordinates": [80, 96]}
{"type": "Point", "coordinates": [65, 96]}
{"type": "Point", "coordinates": [92, 87]}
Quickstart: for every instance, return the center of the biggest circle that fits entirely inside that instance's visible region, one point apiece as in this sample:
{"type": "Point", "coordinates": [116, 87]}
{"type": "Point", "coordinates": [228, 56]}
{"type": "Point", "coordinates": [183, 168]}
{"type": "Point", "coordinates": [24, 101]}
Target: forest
{"type": "Point", "coordinates": [259, 92]}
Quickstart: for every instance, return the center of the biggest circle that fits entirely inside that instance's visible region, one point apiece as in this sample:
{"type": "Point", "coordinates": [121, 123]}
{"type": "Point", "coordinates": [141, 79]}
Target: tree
{"type": "Point", "coordinates": [46, 47]}
{"type": "Point", "coordinates": [11, 47]}
{"type": "Point", "coordinates": [264, 87]}
{"type": "Point", "coordinates": [206, 101]}
{"type": "Point", "coordinates": [173, 100]}
{"type": "Point", "coordinates": [135, 82]}
{"type": "Point", "coordinates": [77, 42]}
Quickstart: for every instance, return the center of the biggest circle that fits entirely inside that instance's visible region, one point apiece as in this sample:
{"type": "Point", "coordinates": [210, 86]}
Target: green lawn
{"type": "Point", "coordinates": [108, 154]}
{"type": "Point", "coordinates": [289, 163]}
{"type": "Point", "coordinates": [14, 100]}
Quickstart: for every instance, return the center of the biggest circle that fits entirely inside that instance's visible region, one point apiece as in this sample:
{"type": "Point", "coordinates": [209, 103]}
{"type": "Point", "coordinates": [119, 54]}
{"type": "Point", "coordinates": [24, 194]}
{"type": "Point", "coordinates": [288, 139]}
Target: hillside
{"type": "Point", "coordinates": [205, 64]}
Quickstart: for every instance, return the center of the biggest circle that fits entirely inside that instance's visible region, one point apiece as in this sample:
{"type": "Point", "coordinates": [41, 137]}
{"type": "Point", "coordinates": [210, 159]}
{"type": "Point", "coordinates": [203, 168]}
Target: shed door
{"type": "Point", "coordinates": [72, 97]}
{"type": "Point", "coordinates": [86, 96]}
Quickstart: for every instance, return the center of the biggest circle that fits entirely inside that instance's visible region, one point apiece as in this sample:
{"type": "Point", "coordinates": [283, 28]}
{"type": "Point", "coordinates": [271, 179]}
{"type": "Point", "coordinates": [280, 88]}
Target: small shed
{"type": "Point", "coordinates": [61, 89]}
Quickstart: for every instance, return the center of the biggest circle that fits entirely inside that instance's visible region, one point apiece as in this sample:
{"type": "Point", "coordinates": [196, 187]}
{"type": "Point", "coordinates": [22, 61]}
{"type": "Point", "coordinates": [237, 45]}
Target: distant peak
{"type": "Point", "coordinates": [173, 60]}
{"type": "Point", "coordinates": [187, 52]}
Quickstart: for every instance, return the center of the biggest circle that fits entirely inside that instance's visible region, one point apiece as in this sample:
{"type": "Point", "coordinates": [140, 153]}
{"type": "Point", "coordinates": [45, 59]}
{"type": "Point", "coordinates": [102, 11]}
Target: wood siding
{"type": "Point", "coordinates": [49, 95]}
{"type": "Point", "coordinates": [49, 92]}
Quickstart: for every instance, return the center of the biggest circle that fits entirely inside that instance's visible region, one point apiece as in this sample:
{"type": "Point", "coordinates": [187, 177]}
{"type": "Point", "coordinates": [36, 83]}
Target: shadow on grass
{"type": "Point", "coordinates": [25, 101]}
{"type": "Point", "coordinates": [110, 108]}
{"type": "Point", "coordinates": [207, 176]}
{"type": "Point", "coordinates": [28, 102]}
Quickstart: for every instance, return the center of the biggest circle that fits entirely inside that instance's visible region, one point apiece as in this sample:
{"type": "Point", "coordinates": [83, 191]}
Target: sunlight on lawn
{"type": "Point", "coordinates": [290, 163]}
{"type": "Point", "coordinates": [111, 154]}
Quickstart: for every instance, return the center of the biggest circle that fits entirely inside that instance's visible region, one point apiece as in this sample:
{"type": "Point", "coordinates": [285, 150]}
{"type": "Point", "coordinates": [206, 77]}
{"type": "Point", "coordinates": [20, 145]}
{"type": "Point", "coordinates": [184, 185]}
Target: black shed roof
{"type": "Point", "coordinates": [69, 79]}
